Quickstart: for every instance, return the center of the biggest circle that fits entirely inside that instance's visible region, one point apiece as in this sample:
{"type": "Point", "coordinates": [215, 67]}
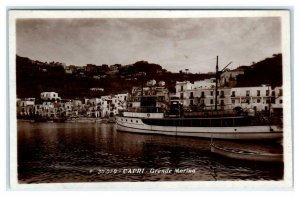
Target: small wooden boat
{"type": "Point", "coordinates": [245, 154]}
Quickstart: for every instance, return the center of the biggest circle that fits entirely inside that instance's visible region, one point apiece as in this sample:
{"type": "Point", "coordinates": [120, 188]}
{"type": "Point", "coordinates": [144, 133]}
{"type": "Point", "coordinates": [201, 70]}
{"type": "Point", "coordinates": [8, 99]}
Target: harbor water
{"type": "Point", "coordinates": [96, 152]}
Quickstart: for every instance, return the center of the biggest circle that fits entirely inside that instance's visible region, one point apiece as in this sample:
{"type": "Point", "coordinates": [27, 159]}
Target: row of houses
{"type": "Point", "coordinates": [202, 94]}
{"type": "Point", "coordinates": [51, 106]}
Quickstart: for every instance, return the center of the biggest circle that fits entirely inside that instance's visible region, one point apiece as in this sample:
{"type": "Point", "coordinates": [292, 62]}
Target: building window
{"type": "Point", "coordinates": [202, 95]}
{"type": "Point", "coordinates": [181, 88]}
{"type": "Point", "coordinates": [267, 92]}
{"type": "Point", "coordinates": [211, 101]}
{"type": "Point", "coordinates": [217, 93]}
{"type": "Point", "coordinates": [233, 101]}
{"type": "Point", "coordinates": [211, 93]}
{"type": "Point", "coordinates": [192, 95]}
{"type": "Point", "coordinates": [258, 100]}
{"type": "Point", "coordinates": [273, 93]}
{"type": "Point", "coordinates": [280, 92]}
{"type": "Point", "coordinates": [247, 92]}
{"type": "Point", "coordinates": [222, 93]}
{"type": "Point", "coordinates": [280, 101]}
{"type": "Point", "coordinates": [222, 103]}
{"type": "Point", "coordinates": [191, 102]}
{"type": "Point", "coordinates": [258, 92]}
{"type": "Point", "coordinates": [233, 93]}
{"type": "Point", "coordinates": [181, 95]}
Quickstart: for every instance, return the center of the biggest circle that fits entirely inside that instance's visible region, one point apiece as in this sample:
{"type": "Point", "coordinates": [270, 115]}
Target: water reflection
{"type": "Point", "coordinates": [69, 152]}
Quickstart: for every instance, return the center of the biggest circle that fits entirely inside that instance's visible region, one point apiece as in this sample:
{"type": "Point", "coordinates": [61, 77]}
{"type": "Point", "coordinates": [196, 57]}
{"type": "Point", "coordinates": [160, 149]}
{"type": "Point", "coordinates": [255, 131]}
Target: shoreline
{"type": "Point", "coordinates": [76, 120]}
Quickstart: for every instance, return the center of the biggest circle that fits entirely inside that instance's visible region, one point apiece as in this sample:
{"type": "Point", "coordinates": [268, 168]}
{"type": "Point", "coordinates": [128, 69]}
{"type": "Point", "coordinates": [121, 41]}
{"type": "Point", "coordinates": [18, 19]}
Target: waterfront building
{"type": "Point", "coordinates": [160, 92]}
{"type": "Point", "coordinates": [94, 101]}
{"type": "Point", "coordinates": [94, 111]}
{"type": "Point", "coordinates": [120, 100]}
{"type": "Point", "coordinates": [25, 107]}
{"type": "Point", "coordinates": [204, 98]}
{"type": "Point", "coordinates": [277, 102]}
{"type": "Point", "coordinates": [201, 95]}
{"type": "Point", "coordinates": [113, 104]}
{"type": "Point", "coordinates": [181, 91]}
{"type": "Point", "coordinates": [48, 109]}
{"type": "Point", "coordinates": [260, 98]}
{"type": "Point", "coordinates": [107, 107]}
{"type": "Point", "coordinates": [76, 103]}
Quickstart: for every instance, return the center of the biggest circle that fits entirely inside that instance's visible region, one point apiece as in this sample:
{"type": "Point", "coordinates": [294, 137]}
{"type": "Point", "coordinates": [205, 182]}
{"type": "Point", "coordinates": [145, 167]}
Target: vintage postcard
{"type": "Point", "coordinates": [150, 99]}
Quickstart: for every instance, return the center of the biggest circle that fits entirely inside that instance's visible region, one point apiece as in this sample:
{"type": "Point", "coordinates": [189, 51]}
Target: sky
{"type": "Point", "coordinates": [174, 43]}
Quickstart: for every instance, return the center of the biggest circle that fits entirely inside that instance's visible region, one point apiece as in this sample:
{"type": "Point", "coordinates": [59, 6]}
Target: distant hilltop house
{"type": "Point", "coordinates": [161, 83]}
{"type": "Point", "coordinates": [50, 96]}
{"type": "Point", "coordinates": [71, 69]}
{"type": "Point", "coordinates": [97, 89]}
{"type": "Point", "coordinates": [151, 82]}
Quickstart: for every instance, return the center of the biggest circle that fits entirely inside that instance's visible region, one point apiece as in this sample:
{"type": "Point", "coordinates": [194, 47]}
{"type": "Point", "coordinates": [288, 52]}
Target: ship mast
{"type": "Point", "coordinates": [216, 96]}
{"type": "Point", "coordinates": [217, 79]}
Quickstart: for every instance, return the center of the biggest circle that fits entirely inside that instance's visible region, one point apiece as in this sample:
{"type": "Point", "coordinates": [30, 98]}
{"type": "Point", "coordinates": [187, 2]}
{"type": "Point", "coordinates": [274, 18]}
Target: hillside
{"type": "Point", "coordinates": [34, 77]}
{"type": "Point", "coordinates": [267, 71]}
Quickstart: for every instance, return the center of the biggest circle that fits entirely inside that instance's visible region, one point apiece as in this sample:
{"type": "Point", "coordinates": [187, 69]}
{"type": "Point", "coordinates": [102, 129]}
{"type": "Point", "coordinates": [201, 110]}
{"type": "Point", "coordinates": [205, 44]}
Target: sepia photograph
{"type": "Point", "coordinates": [179, 98]}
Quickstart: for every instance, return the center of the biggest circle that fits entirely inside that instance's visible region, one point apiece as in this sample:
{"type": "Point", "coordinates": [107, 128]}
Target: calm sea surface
{"type": "Point", "coordinates": [94, 152]}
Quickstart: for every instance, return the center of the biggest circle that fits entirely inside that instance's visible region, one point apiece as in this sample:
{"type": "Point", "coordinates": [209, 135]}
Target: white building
{"type": "Point", "coordinates": [94, 101]}
{"type": "Point", "coordinates": [277, 103]}
{"type": "Point", "coordinates": [25, 106]}
{"type": "Point", "coordinates": [161, 83]}
{"type": "Point", "coordinates": [151, 82]}
{"type": "Point", "coordinates": [201, 95]}
{"type": "Point", "coordinates": [182, 91]}
{"type": "Point", "coordinates": [50, 96]}
{"type": "Point", "coordinates": [257, 98]}
{"type": "Point", "coordinates": [228, 78]}
{"type": "Point", "coordinates": [111, 105]}
{"type": "Point", "coordinates": [205, 84]}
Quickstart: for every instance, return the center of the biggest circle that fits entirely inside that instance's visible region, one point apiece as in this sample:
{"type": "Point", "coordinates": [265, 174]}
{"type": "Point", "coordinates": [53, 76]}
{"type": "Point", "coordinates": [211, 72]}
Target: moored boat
{"type": "Point", "coordinates": [153, 120]}
{"type": "Point", "coordinates": [245, 154]}
{"type": "Point", "coordinates": [147, 118]}
{"type": "Point", "coordinates": [234, 128]}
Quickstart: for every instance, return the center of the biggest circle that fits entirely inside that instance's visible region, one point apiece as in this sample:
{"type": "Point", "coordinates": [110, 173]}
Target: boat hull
{"type": "Point", "coordinates": [248, 156]}
{"type": "Point", "coordinates": [136, 125]}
